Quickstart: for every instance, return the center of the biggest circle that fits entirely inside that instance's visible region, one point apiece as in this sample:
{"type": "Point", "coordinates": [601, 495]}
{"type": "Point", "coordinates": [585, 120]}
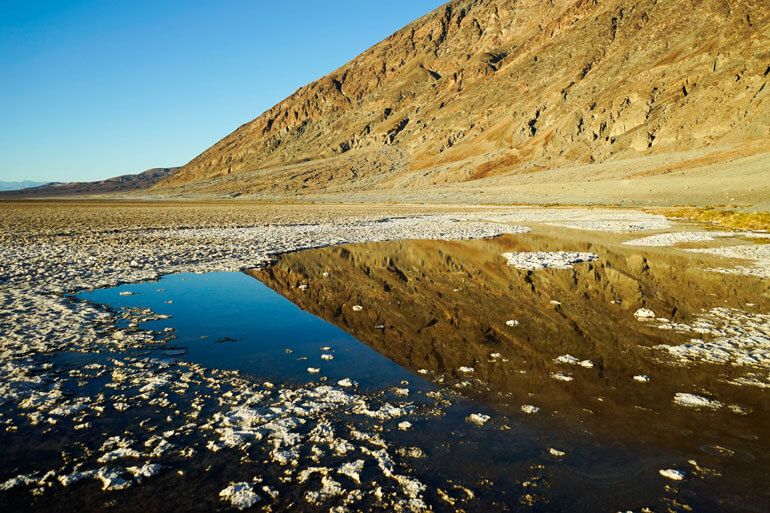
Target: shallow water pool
{"type": "Point", "coordinates": [228, 320]}
{"type": "Point", "coordinates": [447, 380]}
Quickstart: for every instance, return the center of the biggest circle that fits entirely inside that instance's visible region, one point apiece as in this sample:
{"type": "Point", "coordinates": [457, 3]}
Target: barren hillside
{"type": "Point", "coordinates": [118, 184]}
{"type": "Point", "coordinates": [481, 89]}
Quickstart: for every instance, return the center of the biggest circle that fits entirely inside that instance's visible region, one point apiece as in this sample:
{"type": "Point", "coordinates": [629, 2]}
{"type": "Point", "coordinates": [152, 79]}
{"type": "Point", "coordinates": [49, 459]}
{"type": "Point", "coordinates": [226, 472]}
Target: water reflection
{"type": "Point", "coordinates": [225, 320]}
{"type": "Point", "coordinates": [443, 306]}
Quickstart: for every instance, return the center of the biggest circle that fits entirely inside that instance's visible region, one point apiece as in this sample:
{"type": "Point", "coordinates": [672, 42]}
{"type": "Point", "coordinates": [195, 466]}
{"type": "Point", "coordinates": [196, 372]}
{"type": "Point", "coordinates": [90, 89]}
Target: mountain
{"type": "Point", "coordinates": [118, 184]}
{"type": "Point", "coordinates": [489, 89]}
{"type": "Point", "coordinates": [14, 186]}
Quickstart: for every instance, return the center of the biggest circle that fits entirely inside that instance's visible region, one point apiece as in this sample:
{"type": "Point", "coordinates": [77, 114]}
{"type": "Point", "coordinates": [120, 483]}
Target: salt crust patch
{"type": "Point", "coordinates": [548, 259]}
{"type": "Point", "coordinates": [644, 313]}
{"type": "Point", "coordinates": [696, 401]}
{"type": "Point", "coordinates": [568, 359]}
{"type": "Point", "coordinates": [583, 219]}
{"type": "Point", "coordinates": [669, 239]}
{"type": "Point", "coordinates": [759, 254]}
{"type": "Point", "coordinates": [734, 337]}
{"type": "Point", "coordinates": [240, 495]}
{"type": "Point", "coordinates": [616, 226]}
{"type": "Point", "coordinates": [478, 418]}
{"type": "Point", "coordinates": [675, 475]}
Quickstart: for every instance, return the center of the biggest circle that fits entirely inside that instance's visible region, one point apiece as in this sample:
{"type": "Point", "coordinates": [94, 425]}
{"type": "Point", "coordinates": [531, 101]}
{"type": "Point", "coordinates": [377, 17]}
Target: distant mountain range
{"type": "Point", "coordinates": [14, 186]}
{"type": "Point", "coordinates": [118, 184]}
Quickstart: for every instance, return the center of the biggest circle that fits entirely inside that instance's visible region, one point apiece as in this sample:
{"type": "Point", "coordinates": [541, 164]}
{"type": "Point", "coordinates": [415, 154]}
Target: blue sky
{"type": "Point", "coordinates": [93, 89]}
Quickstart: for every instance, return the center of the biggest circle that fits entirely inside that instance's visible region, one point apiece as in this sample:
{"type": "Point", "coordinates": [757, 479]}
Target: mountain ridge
{"type": "Point", "coordinates": [118, 184]}
{"type": "Point", "coordinates": [481, 88]}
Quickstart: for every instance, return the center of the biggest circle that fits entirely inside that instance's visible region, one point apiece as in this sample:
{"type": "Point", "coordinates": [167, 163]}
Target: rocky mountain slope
{"type": "Point", "coordinates": [118, 184]}
{"type": "Point", "coordinates": [487, 88]}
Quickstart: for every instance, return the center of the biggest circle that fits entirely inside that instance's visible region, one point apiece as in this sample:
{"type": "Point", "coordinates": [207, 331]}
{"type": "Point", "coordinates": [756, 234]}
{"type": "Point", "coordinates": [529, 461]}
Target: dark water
{"type": "Point", "coordinates": [228, 320]}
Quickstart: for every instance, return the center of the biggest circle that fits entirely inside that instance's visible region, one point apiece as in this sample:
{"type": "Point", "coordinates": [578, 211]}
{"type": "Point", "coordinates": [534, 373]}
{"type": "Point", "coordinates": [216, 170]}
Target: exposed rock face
{"type": "Point", "coordinates": [123, 183]}
{"type": "Point", "coordinates": [479, 88]}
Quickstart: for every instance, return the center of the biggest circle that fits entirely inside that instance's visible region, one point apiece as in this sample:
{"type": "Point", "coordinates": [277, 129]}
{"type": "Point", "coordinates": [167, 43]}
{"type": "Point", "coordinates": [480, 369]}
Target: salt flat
{"type": "Point", "coordinates": [50, 250]}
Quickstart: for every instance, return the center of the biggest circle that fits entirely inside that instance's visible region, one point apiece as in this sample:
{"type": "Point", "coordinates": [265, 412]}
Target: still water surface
{"type": "Point", "coordinates": [228, 320]}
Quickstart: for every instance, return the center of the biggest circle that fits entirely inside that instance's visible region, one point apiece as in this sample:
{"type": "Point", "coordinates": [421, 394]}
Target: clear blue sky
{"type": "Point", "coordinates": [93, 89]}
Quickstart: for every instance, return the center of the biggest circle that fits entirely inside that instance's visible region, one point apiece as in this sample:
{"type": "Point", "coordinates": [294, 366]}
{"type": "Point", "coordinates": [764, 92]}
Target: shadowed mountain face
{"type": "Point", "coordinates": [479, 88]}
{"type": "Point", "coordinates": [440, 306]}
{"type": "Point", "coordinates": [123, 183]}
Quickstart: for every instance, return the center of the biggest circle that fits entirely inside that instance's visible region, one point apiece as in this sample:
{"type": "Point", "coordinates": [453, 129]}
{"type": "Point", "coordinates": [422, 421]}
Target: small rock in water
{"type": "Point", "coordinates": [403, 426]}
{"type": "Point", "coordinates": [512, 322]}
{"type": "Point", "coordinates": [327, 357]}
{"type": "Point", "coordinates": [345, 382]}
{"type": "Point", "coordinates": [696, 401]}
{"type": "Point", "coordinates": [644, 313]}
{"type": "Point", "coordinates": [676, 475]}
{"type": "Point", "coordinates": [543, 259]}
{"type": "Point", "coordinates": [478, 418]}
{"type": "Point", "coordinates": [571, 360]}
{"type": "Point", "coordinates": [568, 359]}
{"type": "Point", "coordinates": [528, 408]}
{"type": "Point", "coordinates": [313, 370]}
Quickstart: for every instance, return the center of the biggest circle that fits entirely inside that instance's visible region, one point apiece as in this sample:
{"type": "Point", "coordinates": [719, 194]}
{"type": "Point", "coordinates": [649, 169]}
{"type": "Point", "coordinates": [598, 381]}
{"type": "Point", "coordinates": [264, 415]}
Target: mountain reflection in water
{"type": "Point", "coordinates": [442, 306]}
